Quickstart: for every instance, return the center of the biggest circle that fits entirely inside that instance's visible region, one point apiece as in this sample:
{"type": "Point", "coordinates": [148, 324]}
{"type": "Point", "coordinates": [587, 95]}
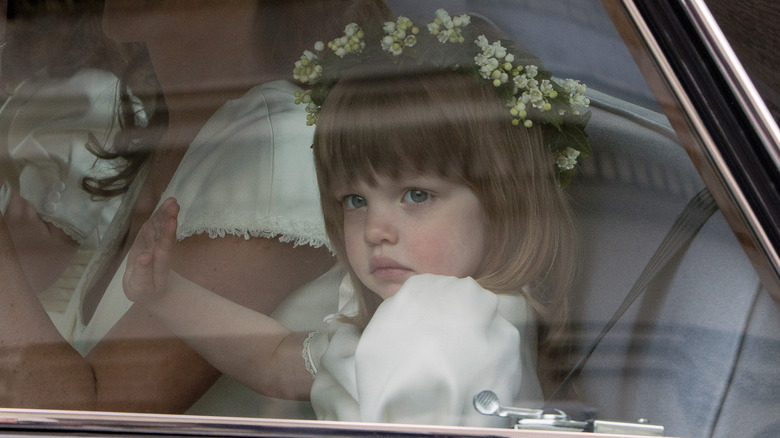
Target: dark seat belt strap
{"type": "Point", "coordinates": [684, 229]}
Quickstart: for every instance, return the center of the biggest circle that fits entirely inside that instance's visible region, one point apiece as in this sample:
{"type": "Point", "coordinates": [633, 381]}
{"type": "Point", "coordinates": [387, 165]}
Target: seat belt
{"type": "Point", "coordinates": [688, 223]}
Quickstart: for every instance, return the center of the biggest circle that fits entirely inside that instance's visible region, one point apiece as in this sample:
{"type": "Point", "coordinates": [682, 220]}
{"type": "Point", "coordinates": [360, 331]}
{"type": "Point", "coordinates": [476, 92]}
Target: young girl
{"type": "Point", "coordinates": [450, 220]}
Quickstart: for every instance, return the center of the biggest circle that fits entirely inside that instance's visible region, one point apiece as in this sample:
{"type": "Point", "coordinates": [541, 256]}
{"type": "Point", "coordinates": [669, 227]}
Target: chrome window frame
{"type": "Point", "coordinates": [719, 117]}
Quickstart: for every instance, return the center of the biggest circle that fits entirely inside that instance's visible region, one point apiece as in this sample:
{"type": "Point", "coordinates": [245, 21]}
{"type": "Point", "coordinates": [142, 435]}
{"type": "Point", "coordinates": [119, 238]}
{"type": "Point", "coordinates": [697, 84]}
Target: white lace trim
{"type": "Point", "coordinates": [66, 228]}
{"type": "Point", "coordinates": [306, 355]}
{"type": "Point", "coordinates": [287, 230]}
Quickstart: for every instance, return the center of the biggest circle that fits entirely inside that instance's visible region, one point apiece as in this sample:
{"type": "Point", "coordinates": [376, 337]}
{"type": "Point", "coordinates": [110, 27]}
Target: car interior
{"type": "Point", "coordinates": [697, 351]}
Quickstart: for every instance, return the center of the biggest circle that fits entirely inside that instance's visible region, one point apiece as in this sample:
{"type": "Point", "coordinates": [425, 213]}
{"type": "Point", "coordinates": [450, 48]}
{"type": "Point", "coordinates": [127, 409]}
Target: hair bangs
{"type": "Point", "coordinates": [394, 126]}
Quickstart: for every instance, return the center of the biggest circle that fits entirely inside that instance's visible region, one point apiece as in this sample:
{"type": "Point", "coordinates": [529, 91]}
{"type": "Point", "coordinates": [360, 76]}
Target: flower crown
{"type": "Point", "coordinates": [531, 94]}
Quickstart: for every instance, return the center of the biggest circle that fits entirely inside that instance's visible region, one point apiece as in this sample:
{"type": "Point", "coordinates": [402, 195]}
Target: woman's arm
{"type": "Point", "coordinates": [139, 365]}
{"type": "Point", "coordinates": [30, 343]}
{"type": "Point", "coordinates": [43, 249]}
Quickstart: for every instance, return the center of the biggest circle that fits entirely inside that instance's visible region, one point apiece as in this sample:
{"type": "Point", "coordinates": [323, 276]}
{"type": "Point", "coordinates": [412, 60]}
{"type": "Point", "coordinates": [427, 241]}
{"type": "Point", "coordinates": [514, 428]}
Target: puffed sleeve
{"type": "Point", "coordinates": [250, 172]}
{"type": "Point", "coordinates": [434, 345]}
{"type": "Point", "coordinates": [49, 121]}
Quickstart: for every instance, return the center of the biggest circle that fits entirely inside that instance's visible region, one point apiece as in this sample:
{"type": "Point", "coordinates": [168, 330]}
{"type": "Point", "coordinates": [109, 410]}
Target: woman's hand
{"type": "Point", "coordinates": [149, 259]}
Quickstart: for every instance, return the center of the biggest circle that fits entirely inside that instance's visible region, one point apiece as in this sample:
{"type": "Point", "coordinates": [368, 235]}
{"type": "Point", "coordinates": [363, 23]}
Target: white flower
{"type": "Point", "coordinates": [444, 36]}
{"type": "Point", "coordinates": [509, 57]}
{"type": "Point", "coordinates": [531, 71]}
{"type": "Point", "coordinates": [442, 15]}
{"type": "Point", "coordinates": [577, 93]}
{"type": "Point", "coordinates": [521, 81]}
{"type": "Point", "coordinates": [387, 43]}
{"type": "Point", "coordinates": [570, 85]}
{"type": "Point", "coordinates": [389, 27]}
{"type": "Point", "coordinates": [546, 87]}
{"type": "Point", "coordinates": [465, 19]}
{"type": "Point", "coordinates": [500, 51]}
{"type": "Point", "coordinates": [410, 41]}
{"type": "Point", "coordinates": [351, 29]}
{"type": "Point", "coordinates": [489, 50]}
{"type": "Point", "coordinates": [567, 158]}
{"type": "Point", "coordinates": [537, 99]}
{"type": "Point", "coordinates": [340, 52]}
{"type": "Point", "coordinates": [481, 42]}
{"type": "Point", "coordinates": [579, 101]}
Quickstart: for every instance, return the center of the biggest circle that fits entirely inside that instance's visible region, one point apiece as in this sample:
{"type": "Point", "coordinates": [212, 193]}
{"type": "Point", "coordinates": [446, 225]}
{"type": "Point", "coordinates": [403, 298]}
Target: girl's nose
{"type": "Point", "coordinates": [380, 227]}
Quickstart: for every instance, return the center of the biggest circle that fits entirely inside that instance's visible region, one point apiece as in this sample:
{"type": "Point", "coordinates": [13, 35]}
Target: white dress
{"type": "Point", "coordinates": [424, 355]}
{"type": "Point", "coordinates": [46, 124]}
{"type": "Point", "coordinates": [249, 173]}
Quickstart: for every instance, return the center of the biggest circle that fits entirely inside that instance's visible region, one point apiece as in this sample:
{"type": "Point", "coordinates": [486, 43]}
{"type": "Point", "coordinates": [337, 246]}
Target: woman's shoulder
{"type": "Point", "coordinates": [261, 103]}
{"type": "Point", "coordinates": [250, 171]}
{"type": "Point", "coordinates": [265, 117]}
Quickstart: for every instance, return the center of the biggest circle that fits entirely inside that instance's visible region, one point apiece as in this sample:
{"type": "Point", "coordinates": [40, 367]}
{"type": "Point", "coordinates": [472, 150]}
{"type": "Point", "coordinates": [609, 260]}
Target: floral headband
{"type": "Point", "coordinates": [531, 94]}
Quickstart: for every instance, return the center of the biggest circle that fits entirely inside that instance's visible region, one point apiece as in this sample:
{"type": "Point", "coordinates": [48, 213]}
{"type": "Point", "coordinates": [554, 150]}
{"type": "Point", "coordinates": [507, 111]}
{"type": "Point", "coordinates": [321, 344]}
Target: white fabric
{"type": "Point", "coordinates": [249, 172]}
{"type": "Point", "coordinates": [425, 354]}
{"type": "Point", "coordinates": [278, 198]}
{"type": "Point", "coordinates": [48, 122]}
{"type": "Point", "coordinates": [5, 196]}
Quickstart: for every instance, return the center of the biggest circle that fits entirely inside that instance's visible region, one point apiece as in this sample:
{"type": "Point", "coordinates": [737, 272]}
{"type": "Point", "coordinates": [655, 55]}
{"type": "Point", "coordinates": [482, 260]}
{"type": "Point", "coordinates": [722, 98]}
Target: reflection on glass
{"type": "Point", "coordinates": [426, 161]}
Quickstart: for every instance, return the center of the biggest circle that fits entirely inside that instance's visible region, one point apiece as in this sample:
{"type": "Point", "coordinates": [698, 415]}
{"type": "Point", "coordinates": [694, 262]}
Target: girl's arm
{"type": "Point", "coordinates": [248, 345]}
{"type": "Point", "coordinates": [139, 365]}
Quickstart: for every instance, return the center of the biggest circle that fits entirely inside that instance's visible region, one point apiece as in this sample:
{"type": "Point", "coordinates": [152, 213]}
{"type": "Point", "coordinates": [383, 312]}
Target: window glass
{"type": "Point", "coordinates": [409, 164]}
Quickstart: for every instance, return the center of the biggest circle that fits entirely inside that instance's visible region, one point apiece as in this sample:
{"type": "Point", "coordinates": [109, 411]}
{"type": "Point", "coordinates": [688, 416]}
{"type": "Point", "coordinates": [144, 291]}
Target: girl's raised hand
{"type": "Point", "coordinates": [149, 259]}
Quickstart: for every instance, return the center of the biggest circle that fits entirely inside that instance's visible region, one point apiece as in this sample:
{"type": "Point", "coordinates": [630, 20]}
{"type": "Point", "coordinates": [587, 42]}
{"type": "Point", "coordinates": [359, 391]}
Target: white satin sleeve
{"type": "Point", "coordinates": [425, 354]}
{"type": "Point", "coordinates": [250, 172]}
{"type": "Point", "coordinates": [48, 122]}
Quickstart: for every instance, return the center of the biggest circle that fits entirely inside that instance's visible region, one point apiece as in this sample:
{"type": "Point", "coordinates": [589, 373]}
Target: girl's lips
{"type": "Point", "coordinates": [387, 269]}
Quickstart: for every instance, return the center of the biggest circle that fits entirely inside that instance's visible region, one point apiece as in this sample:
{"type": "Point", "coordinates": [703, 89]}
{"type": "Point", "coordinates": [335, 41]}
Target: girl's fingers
{"type": "Point", "coordinates": [149, 256]}
{"type": "Point", "coordinates": [137, 281]}
{"type": "Point", "coordinates": [162, 252]}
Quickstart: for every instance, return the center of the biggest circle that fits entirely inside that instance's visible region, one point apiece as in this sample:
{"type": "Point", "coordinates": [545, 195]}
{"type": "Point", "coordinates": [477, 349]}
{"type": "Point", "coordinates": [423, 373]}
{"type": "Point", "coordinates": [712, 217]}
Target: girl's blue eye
{"type": "Point", "coordinates": [416, 196]}
{"type": "Point", "coordinates": [352, 202]}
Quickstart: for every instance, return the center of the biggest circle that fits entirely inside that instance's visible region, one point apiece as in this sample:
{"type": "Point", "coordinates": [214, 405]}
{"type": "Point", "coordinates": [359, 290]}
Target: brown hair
{"type": "Point", "coordinates": [446, 124]}
{"type": "Point", "coordinates": [62, 36]}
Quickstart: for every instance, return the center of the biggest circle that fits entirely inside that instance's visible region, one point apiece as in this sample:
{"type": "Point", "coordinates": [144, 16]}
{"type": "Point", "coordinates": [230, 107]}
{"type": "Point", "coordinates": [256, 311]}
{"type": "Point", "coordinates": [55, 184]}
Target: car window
{"type": "Point", "coordinates": [754, 54]}
{"type": "Point", "coordinates": [333, 259]}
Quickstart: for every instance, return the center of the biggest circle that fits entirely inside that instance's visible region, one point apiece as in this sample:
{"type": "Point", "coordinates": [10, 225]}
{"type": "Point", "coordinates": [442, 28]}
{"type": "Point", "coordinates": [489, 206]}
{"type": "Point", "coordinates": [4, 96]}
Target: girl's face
{"type": "Point", "coordinates": [408, 226]}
